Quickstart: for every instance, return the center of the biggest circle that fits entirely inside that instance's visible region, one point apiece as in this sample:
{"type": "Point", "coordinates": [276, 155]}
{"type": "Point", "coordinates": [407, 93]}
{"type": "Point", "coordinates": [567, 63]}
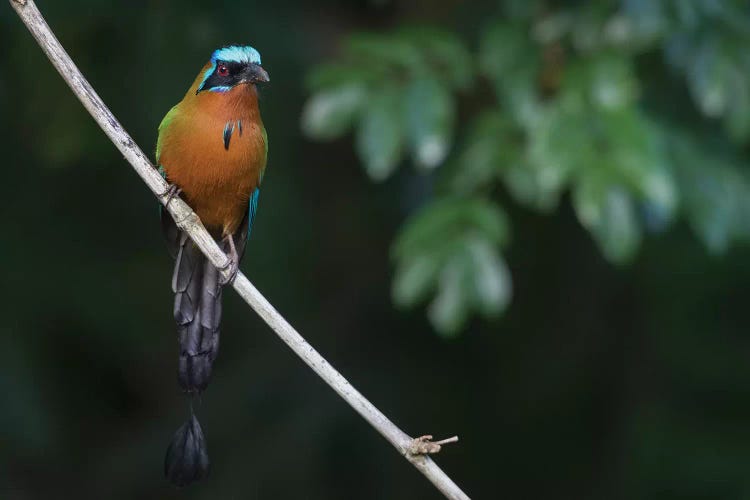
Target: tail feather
{"type": "Point", "coordinates": [187, 459]}
{"type": "Point", "coordinates": [197, 311]}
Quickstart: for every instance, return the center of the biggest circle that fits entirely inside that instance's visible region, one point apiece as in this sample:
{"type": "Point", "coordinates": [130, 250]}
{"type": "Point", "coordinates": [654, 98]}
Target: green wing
{"type": "Point", "coordinates": [169, 229]}
{"type": "Point", "coordinates": [168, 118]}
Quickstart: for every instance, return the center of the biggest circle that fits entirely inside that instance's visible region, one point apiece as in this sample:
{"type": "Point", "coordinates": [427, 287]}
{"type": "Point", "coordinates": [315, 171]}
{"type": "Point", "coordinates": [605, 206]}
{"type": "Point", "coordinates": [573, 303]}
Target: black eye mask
{"type": "Point", "coordinates": [223, 82]}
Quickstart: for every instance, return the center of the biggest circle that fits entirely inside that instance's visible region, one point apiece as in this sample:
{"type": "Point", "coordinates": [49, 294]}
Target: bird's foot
{"type": "Point", "coordinates": [172, 192]}
{"type": "Point", "coordinates": [232, 267]}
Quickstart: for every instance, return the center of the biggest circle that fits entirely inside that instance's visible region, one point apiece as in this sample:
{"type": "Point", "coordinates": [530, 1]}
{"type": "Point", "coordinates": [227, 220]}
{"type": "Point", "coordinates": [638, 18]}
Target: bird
{"type": "Point", "coordinates": [212, 150]}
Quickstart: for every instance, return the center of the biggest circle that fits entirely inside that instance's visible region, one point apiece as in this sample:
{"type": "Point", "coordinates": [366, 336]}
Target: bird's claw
{"type": "Point", "coordinates": [233, 263]}
{"type": "Point", "coordinates": [233, 267]}
{"type": "Point", "coordinates": [172, 192]}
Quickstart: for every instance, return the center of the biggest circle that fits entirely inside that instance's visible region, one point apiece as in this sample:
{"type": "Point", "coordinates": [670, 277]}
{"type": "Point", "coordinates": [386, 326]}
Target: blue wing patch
{"type": "Point", "coordinates": [252, 210]}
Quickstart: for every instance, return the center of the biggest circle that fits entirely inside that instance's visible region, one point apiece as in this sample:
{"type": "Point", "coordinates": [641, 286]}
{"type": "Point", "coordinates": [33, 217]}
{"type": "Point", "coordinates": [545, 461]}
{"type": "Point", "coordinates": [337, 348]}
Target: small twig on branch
{"type": "Point", "coordinates": [188, 221]}
{"type": "Point", "coordinates": [424, 445]}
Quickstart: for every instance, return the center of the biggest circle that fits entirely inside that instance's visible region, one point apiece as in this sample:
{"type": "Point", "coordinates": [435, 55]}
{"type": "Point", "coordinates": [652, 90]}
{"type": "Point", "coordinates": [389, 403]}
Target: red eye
{"type": "Point", "coordinates": [222, 70]}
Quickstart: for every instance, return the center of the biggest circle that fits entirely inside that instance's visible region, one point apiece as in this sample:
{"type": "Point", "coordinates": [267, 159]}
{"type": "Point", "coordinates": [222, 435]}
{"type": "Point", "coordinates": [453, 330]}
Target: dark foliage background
{"type": "Point", "coordinates": [622, 376]}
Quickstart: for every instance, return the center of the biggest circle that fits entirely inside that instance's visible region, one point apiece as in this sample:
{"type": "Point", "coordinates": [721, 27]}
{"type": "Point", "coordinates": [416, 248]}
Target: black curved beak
{"type": "Point", "coordinates": [254, 73]}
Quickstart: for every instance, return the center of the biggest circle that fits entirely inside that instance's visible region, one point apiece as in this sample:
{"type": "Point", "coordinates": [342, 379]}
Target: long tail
{"type": "Point", "coordinates": [197, 311]}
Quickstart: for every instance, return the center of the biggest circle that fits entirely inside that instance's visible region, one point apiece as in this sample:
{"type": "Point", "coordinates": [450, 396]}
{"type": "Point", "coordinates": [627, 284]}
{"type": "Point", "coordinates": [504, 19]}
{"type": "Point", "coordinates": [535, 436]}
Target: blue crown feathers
{"type": "Point", "coordinates": [235, 53]}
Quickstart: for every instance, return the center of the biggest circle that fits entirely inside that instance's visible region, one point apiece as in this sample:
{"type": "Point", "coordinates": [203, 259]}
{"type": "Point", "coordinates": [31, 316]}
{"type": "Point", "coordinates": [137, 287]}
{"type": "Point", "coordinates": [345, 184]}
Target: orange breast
{"type": "Point", "coordinates": [216, 181]}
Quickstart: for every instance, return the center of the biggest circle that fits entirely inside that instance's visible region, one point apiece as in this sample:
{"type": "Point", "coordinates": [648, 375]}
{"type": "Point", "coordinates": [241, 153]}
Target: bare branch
{"type": "Point", "coordinates": [188, 221]}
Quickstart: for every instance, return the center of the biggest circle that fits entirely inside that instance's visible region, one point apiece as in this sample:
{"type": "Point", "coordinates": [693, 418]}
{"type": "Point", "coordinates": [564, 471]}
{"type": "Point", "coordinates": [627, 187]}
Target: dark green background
{"type": "Point", "coordinates": [598, 382]}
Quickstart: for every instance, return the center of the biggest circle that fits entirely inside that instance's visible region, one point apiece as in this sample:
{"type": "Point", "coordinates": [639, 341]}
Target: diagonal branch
{"type": "Point", "coordinates": [415, 451]}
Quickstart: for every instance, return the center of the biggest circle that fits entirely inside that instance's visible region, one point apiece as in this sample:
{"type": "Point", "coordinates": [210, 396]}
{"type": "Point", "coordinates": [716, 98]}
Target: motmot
{"type": "Point", "coordinates": [212, 150]}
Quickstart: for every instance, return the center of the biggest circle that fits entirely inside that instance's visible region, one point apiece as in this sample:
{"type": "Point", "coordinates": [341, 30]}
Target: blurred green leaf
{"type": "Point", "coordinates": [488, 148]}
{"type": "Point", "coordinates": [396, 89]}
{"type": "Point", "coordinates": [520, 9]}
{"type": "Point", "coordinates": [415, 278]}
{"type": "Point", "coordinates": [376, 49]}
{"type": "Point", "coordinates": [447, 219]}
{"type": "Point", "coordinates": [711, 49]}
{"type": "Point", "coordinates": [380, 133]}
{"type": "Point", "coordinates": [593, 140]}
{"type": "Point", "coordinates": [608, 212]}
{"type": "Point", "coordinates": [330, 113]}
{"type": "Point", "coordinates": [450, 309]}
{"type": "Point", "coordinates": [606, 82]}
{"type": "Point", "coordinates": [445, 53]}
{"type": "Point", "coordinates": [452, 247]}
{"type": "Point", "coordinates": [737, 116]}
{"type": "Point", "coordinates": [557, 145]}
{"type": "Point", "coordinates": [587, 29]}
{"type": "Point", "coordinates": [506, 49]}
{"type": "Point", "coordinates": [488, 219]}
{"type": "Point", "coordinates": [715, 189]}
{"type": "Point", "coordinates": [491, 278]}
{"type": "Point", "coordinates": [429, 120]}
{"type": "Point", "coordinates": [707, 75]}
{"type": "Point", "coordinates": [613, 83]}
{"type": "Point", "coordinates": [648, 17]}
{"type": "Point", "coordinates": [552, 27]}
{"type": "Point", "coordinates": [334, 75]}
{"type": "Point", "coordinates": [502, 47]}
